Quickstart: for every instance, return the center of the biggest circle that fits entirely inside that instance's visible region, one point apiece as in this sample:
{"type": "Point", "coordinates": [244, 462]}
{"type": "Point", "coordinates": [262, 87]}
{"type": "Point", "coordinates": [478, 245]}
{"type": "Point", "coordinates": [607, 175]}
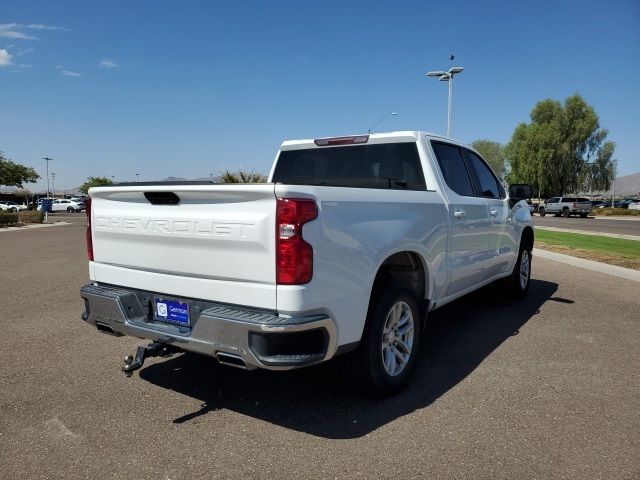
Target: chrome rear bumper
{"type": "Point", "coordinates": [236, 336]}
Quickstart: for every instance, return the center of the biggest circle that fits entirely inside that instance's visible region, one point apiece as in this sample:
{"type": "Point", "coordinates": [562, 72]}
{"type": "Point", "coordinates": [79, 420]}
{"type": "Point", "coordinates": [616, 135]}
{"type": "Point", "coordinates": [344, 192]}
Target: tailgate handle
{"type": "Point", "coordinates": [162, 198]}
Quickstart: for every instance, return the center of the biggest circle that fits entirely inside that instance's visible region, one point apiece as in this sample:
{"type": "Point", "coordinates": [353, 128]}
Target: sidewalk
{"type": "Point", "coordinates": [31, 226]}
{"type": "Point", "coordinates": [618, 217]}
{"type": "Point", "coordinates": [620, 272]}
{"type": "Point", "coordinates": [587, 232]}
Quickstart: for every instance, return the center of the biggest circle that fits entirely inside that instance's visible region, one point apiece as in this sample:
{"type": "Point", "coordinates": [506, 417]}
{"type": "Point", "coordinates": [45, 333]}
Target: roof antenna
{"type": "Point", "coordinates": [380, 121]}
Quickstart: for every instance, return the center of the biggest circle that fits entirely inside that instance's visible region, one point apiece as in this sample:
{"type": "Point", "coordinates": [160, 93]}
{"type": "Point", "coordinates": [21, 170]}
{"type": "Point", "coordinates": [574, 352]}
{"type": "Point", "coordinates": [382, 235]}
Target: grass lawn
{"type": "Point", "coordinates": [615, 251]}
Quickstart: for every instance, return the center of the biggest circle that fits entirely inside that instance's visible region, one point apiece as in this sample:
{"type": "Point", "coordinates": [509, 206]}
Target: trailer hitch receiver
{"type": "Point", "coordinates": [155, 349]}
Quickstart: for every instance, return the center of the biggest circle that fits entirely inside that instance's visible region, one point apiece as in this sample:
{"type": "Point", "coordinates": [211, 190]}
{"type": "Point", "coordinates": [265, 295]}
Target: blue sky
{"type": "Point", "coordinates": [190, 88]}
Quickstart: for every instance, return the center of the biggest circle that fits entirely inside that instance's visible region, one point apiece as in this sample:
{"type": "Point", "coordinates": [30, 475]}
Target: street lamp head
{"type": "Point", "coordinates": [454, 70]}
{"type": "Point", "coordinates": [444, 78]}
{"type": "Point", "coordinates": [436, 73]}
{"type": "Point", "coordinates": [393, 113]}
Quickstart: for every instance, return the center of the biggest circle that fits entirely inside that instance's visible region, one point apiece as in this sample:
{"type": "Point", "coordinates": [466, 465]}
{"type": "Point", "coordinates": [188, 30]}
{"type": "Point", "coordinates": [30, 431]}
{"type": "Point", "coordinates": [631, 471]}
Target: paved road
{"type": "Point", "coordinates": [544, 388]}
{"type": "Point", "coordinates": [590, 224]}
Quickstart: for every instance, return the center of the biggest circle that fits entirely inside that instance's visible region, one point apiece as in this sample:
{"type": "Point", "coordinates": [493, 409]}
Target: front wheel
{"type": "Point", "coordinates": [383, 361]}
{"type": "Point", "coordinates": [541, 211]}
{"type": "Point", "coordinates": [70, 209]}
{"type": "Point", "coordinates": [518, 282]}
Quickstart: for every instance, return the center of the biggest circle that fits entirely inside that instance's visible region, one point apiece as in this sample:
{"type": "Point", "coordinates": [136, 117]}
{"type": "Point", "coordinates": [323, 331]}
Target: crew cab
{"type": "Point", "coordinates": [566, 206]}
{"type": "Point", "coordinates": [344, 251]}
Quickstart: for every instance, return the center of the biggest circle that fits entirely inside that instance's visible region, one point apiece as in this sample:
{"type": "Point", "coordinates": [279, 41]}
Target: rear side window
{"type": "Point", "coordinates": [384, 166]}
{"type": "Point", "coordinates": [582, 200]}
{"type": "Point", "coordinates": [453, 168]}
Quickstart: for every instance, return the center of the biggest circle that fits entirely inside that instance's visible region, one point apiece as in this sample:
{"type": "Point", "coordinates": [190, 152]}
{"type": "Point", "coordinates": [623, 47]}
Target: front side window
{"type": "Point", "coordinates": [488, 184]}
{"type": "Point", "coordinates": [453, 168]}
{"type": "Point", "coordinates": [553, 200]}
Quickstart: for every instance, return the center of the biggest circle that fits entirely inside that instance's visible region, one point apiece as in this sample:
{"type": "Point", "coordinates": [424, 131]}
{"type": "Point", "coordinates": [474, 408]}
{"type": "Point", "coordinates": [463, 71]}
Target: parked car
{"type": "Point", "coordinates": [532, 207]}
{"type": "Point", "coordinates": [566, 206]}
{"type": "Point", "coordinates": [62, 205]}
{"type": "Point", "coordinates": [344, 252]}
{"type": "Point", "coordinates": [635, 205]}
{"type": "Point", "coordinates": [9, 206]}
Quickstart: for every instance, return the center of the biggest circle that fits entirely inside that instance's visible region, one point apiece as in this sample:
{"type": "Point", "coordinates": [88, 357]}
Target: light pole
{"type": "Point", "coordinates": [53, 183]}
{"type": "Point", "coordinates": [137, 176]}
{"type": "Point", "coordinates": [447, 77]}
{"type": "Point", "coordinates": [47, 159]}
{"type": "Point", "coordinates": [613, 197]}
{"type": "Point", "coordinates": [380, 121]}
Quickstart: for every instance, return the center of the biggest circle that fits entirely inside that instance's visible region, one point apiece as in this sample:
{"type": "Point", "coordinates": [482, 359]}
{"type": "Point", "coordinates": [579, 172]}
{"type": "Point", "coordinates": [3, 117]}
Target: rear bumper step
{"type": "Point", "coordinates": [236, 336]}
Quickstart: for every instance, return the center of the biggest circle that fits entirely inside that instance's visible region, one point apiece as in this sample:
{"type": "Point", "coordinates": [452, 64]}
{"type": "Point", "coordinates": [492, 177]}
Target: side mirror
{"type": "Point", "coordinates": [520, 191]}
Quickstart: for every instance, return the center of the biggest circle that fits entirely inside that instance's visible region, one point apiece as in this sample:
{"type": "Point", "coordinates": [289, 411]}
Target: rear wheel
{"type": "Point", "coordinates": [70, 209]}
{"type": "Point", "coordinates": [541, 211]}
{"type": "Point", "coordinates": [565, 212]}
{"type": "Point", "coordinates": [383, 361]}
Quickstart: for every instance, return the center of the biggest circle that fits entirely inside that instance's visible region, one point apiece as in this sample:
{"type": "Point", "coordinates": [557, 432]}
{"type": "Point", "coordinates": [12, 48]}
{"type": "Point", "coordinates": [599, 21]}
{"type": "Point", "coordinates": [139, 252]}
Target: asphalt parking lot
{"type": "Point", "coordinates": [544, 388]}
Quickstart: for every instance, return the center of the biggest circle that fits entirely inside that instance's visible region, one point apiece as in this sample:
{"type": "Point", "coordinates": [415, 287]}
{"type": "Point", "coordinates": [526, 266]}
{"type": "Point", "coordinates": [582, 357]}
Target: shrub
{"type": "Point", "coordinates": [30, 216]}
{"type": "Point", "coordinates": [7, 218]}
{"type": "Point", "coordinates": [608, 212]}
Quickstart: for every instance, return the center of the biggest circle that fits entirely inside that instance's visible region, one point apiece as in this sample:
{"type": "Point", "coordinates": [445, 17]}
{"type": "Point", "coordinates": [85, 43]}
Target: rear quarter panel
{"type": "Point", "coordinates": [356, 230]}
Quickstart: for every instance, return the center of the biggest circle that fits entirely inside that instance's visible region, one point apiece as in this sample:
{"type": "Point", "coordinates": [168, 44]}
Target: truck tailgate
{"type": "Point", "coordinates": [217, 243]}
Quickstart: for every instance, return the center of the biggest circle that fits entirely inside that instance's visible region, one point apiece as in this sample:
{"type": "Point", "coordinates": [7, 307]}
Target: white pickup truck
{"type": "Point", "coordinates": [344, 251]}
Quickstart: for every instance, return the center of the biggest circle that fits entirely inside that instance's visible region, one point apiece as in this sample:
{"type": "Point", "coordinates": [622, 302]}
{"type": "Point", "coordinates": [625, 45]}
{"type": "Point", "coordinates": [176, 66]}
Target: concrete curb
{"type": "Point", "coordinates": [587, 232]}
{"type": "Point", "coordinates": [600, 267]}
{"type": "Point", "coordinates": [33, 225]}
{"type": "Point", "coordinates": [621, 217]}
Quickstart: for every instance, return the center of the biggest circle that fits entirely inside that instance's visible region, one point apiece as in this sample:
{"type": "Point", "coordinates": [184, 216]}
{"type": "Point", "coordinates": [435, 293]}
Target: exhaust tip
{"type": "Point", "coordinates": [104, 328]}
{"type": "Point", "coordinates": [231, 360]}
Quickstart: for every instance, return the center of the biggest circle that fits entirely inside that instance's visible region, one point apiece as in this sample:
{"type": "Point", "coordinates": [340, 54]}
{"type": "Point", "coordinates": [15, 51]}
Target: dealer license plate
{"type": "Point", "coordinates": [171, 311]}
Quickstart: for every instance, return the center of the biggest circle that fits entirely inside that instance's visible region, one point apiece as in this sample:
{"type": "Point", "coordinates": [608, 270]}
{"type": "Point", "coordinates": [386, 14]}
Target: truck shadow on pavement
{"type": "Point", "coordinates": [317, 401]}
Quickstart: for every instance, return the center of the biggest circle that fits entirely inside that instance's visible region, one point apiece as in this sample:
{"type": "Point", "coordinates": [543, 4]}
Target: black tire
{"type": "Point", "coordinates": [566, 212]}
{"type": "Point", "coordinates": [70, 209]}
{"type": "Point", "coordinates": [518, 288]}
{"type": "Point", "coordinates": [583, 215]}
{"type": "Point", "coordinates": [366, 365]}
{"type": "Point", "coordinates": [542, 212]}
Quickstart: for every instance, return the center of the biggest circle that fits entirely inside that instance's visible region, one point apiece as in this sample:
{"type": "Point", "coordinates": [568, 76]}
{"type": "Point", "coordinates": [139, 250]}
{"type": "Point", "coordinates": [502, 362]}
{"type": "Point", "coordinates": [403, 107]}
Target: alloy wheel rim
{"type": "Point", "coordinates": [397, 338]}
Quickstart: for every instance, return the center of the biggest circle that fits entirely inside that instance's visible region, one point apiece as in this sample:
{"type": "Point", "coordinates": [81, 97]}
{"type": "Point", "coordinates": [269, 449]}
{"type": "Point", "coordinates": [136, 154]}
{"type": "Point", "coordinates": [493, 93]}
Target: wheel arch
{"type": "Point", "coordinates": [527, 237]}
{"type": "Point", "coordinates": [407, 269]}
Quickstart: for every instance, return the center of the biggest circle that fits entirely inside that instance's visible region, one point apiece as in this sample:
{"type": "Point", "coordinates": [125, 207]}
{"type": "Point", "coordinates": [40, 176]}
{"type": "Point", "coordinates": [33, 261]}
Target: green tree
{"type": "Point", "coordinates": [562, 150]}
{"type": "Point", "coordinates": [493, 153]}
{"type": "Point", "coordinates": [14, 175]}
{"type": "Point", "coordinates": [242, 177]}
{"type": "Point", "coordinates": [95, 182]}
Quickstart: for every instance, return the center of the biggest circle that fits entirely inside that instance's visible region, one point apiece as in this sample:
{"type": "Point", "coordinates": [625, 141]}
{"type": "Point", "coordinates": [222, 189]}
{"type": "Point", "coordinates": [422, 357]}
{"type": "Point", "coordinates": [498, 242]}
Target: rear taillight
{"type": "Point", "coordinates": [294, 256]}
{"type": "Point", "coordinates": [89, 238]}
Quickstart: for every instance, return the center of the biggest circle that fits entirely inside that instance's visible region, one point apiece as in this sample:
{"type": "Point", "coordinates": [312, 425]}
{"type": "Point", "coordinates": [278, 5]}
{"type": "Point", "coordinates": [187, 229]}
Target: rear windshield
{"type": "Point", "coordinates": [383, 166]}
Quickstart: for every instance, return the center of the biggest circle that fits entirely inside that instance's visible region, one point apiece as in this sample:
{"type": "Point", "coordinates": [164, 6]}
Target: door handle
{"type": "Point", "coordinates": [493, 213]}
{"type": "Point", "coordinates": [459, 214]}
